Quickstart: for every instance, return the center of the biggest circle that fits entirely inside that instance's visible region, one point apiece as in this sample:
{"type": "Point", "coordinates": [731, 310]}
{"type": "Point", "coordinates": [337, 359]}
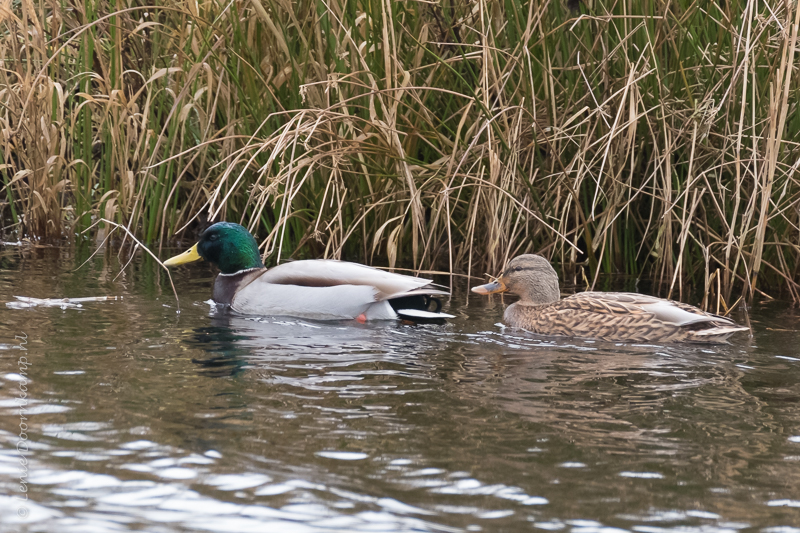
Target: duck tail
{"type": "Point", "coordinates": [419, 308]}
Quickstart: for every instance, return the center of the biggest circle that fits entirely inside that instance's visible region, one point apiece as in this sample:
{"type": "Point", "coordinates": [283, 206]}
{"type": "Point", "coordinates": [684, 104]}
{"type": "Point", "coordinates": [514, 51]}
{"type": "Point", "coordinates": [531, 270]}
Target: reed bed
{"type": "Point", "coordinates": [654, 139]}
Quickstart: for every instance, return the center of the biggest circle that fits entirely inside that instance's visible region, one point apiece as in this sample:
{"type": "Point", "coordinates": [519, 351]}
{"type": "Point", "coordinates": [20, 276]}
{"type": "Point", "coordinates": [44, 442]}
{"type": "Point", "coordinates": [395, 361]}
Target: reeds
{"type": "Point", "coordinates": [654, 139]}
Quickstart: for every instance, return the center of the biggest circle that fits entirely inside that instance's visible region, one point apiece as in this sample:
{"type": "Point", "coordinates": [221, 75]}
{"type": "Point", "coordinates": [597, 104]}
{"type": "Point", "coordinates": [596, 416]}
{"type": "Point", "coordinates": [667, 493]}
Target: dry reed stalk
{"type": "Point", "coordinates": [655, 140]}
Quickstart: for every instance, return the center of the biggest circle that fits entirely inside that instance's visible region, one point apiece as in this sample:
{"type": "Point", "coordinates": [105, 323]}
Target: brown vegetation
{"type": "Point", "coordinates": [654, 139]}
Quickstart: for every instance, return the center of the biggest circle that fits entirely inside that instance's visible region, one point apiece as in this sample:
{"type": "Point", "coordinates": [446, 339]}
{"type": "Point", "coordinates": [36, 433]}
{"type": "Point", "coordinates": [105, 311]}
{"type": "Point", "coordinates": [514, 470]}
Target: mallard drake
{"type": "Point", "coordinates": [320, 289]}
{"type": "Point", "coordinates": [612, 316]}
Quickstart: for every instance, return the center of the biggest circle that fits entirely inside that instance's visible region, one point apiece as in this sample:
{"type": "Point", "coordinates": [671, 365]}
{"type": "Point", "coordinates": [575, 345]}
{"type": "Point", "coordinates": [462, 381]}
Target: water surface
{"type": "Point", "coordinates": [142, 419]}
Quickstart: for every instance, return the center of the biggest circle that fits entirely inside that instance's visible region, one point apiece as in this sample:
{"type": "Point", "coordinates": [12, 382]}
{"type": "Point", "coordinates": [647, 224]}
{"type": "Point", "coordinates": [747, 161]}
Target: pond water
{"type": "Point", "coordinates": [142, 419]}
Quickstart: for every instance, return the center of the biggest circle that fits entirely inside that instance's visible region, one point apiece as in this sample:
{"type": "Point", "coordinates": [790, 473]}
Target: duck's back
{"type": "Point", "coordinates": [621, 317]}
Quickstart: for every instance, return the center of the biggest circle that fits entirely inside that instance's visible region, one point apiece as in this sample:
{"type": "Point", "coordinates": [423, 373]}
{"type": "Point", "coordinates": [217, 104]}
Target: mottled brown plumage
{"type": "Point", "coordinates": [612, 316]}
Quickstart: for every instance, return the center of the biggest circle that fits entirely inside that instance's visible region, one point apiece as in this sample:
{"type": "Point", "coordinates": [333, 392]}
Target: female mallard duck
{"type": "Point", "coordinates": [318, 289]}
{"type": "Point", "coordinates": [611, 316]}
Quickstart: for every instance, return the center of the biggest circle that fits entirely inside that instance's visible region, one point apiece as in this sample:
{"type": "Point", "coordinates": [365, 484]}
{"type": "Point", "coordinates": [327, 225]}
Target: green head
{"type": "Point", "coordinates": [225, 244]}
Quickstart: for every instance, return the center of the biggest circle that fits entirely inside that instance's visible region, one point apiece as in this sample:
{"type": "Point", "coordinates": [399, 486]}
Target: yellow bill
{"type": "Point", "coordinates": [186, 257]}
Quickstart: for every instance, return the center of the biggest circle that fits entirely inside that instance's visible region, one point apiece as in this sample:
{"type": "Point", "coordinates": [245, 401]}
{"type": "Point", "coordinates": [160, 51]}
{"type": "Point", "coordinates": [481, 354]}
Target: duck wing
{"type": "Point", "coordinates": [331, 273]}
{"type": "Point", "coordinates": [642, 306]}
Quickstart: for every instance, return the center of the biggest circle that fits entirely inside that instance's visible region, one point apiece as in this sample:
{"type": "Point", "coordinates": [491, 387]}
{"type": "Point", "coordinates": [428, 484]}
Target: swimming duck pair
{"type": "Point", "coordinates": [325, 290]}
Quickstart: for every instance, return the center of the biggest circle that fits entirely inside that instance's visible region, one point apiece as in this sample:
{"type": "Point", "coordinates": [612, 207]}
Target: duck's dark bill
{"type": "Point", "coordinates": [490, 288]}
{"type": "Point", "coordinates": [186, 257]}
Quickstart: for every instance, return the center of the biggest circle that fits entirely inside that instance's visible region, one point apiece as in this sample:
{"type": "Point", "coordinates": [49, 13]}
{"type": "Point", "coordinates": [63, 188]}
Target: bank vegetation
{"type": "Point", "coordinates": [657, 139]}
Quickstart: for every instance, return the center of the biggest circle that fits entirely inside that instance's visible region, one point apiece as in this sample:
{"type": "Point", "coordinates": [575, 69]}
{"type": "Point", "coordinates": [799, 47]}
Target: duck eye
{"type": "Point", "coordinates": [213, 237]}
{"type": "Point", "coordinates": [517, 269]}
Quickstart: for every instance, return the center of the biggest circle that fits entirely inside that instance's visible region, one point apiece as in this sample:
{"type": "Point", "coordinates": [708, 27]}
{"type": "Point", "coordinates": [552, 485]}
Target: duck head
{"type": "Point", "coordinates": [528, 276]}
{"type": "Point", "coordinates": [227, 245]}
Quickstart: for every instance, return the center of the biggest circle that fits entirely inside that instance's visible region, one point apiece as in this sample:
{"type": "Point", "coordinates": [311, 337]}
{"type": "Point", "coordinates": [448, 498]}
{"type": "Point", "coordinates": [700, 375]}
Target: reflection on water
{"type": "Point", "coordinates": [139, 418]}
